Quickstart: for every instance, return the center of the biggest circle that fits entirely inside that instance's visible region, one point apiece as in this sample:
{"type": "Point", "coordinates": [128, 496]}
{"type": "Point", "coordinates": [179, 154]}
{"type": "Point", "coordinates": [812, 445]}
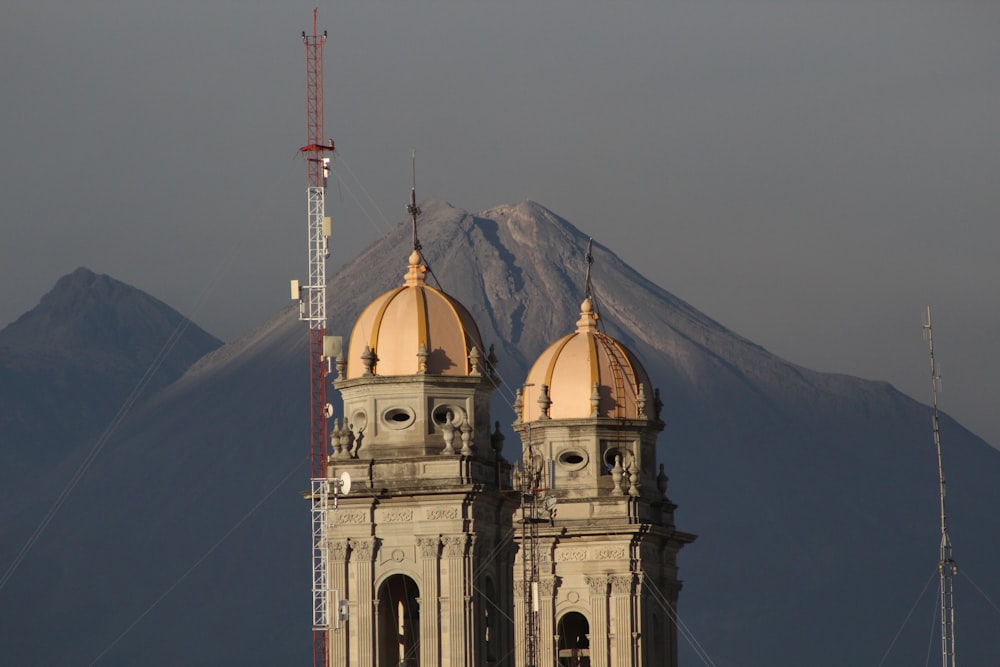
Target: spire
{"type": "Point", "coordinates": [413, 209]}
{"type": "Point", "coordinates": [590, 318]}
{"type": "Point", "coordinates": [588, 288]}
{"type": "Point", "coordinates": [415, 275]}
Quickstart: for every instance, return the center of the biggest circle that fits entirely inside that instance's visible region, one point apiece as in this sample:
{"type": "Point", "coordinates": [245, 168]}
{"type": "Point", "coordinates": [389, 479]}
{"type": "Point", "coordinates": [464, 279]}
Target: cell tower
{"type": "Point", "coordinates": [947, 568]}
{"type": "Point", "coordinates": [312, 310]}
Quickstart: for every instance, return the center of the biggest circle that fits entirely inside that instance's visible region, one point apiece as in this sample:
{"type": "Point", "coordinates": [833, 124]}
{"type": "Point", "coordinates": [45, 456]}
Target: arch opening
{"type": "Point", "coordinates": [398, 622]}
{"type": "Point", "coordinates": [574, 640]}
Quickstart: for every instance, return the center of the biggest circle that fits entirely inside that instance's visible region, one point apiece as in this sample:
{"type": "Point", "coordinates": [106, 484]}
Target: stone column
{"type": "Point", "coordinates": [546, 621]}
{"type": "Point", "coordinates": [519, 622]}
{"type": "Point", "coordinates": [599, 628]}
{"type": "Point", "coordinates": [621, 620]}
{"type": "Point", "coordinates": [454, 553]}
{"type": "Point", "coordinates": [337, 558]}
{"type": "Point", "coordinates": [430, 629]}
{"type": "Point", "coordinates": [362, 649]}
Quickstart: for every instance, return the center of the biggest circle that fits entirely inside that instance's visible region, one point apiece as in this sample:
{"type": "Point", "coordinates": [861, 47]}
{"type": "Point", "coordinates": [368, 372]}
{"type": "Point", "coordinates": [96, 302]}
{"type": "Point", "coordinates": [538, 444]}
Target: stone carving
{"type": "Point", "coordinates": [496, 439]}
{"type": "Point", "coordinates": [422, 355]}
{"type": "Point", "coordinates": [474, 362]}
{"type": "Point", "coordinates": [349, 518]}
{"type": "Point", "coordinates": [442, 514]}
{"type": "Point", "coordinates": [397, 516]}
{"type": "Point", "coordinates": [575, 555]}
{"type": "Point", "coordinates": [621, 584]}
{"type": "Point", "coordinates": [547, 587]}
{"type": "Point", "coordinates": [597, 584]}
{"type": "Point", "coordinates": [363, 550]}
{"type": "Point", "coordinates": [661, 482]}
{"type": "Point", "coordinates": [337, 550]}
{"type": "Point", "coordinates": [369, 359]}
{"type": "Point", "coordinates": [448, 430]}
{"type": "Point", "coordinates": [428, 546]}
{"type": "Point", "coordinates": [611, 553]}
{"type": "Point", "coordinates": [454, 545]}
{"type": "Point", "coordinates": [466, 437]}
{"type": "Point", "coordinates": [544, 402]}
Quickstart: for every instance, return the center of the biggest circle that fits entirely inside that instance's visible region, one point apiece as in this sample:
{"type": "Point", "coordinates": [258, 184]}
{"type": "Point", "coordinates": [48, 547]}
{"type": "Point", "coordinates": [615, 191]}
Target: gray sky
{"type": "Point", "coordinates": [809, 173]}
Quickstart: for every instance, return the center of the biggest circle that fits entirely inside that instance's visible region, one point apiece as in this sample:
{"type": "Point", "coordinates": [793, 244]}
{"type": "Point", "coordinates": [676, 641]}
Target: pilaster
{"type": "Point", "coordinates": [621, 616]}
{"type": "Point", "coordinates": [454, 554]}
{"type": "Point", "coordinates": [599, 630]}
{"type": "Point", "coordinates": [337, 576]}
{"type": "Point", "coordinates": [362, 647]}
{"type": "Point", "coordinates": [430, 631]}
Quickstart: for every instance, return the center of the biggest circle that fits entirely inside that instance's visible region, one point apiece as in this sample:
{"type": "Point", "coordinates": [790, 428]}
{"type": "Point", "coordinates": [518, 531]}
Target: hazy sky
{"type": "Point", "coordinates": [810, 173]}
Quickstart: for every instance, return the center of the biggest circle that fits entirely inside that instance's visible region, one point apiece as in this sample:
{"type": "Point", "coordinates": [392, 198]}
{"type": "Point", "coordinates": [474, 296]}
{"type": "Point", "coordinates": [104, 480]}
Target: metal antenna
{"type": "Point", "coordinates": [413, 209]}
{"type": "Point", "coordinates": [589, 288]}
{"type": "Point", "coordinates": [947, 568]}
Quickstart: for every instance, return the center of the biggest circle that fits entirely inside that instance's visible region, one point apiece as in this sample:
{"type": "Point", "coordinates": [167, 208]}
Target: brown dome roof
{"type": "Point", "coordinates": [571, 367]}
{"type": "Point", "coordinates": [401, 322]}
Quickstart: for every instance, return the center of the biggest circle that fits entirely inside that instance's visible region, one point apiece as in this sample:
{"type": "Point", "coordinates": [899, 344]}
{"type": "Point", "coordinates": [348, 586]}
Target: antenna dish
{"type": "Point", "coordinates": [345, 483]}
{"type": "Point", "coordinates": [328, 410]}
{"type": "Point", "coordinates": [549, 503]}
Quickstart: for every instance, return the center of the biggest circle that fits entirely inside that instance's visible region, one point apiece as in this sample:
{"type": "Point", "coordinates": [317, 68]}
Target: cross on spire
{"type": "Point", "coordinates": [413, 209]}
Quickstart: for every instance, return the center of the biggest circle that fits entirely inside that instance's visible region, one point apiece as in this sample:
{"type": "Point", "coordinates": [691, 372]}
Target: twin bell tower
{"type": "Point", "coordinates": [443, 554]}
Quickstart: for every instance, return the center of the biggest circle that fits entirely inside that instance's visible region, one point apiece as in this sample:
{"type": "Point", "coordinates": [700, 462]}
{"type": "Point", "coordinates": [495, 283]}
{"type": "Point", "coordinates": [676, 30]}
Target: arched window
{"type": "Point", "coordinates": [398, 622]}
{"type": "Point", "coordinates": [574, 640]}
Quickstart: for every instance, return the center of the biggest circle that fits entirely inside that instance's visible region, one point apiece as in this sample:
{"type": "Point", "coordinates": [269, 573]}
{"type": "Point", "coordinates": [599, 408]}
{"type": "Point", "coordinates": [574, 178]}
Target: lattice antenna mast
{"type": "Point", "coordinates": [529, 557]}
{"type": "Point", "coordinates": [947, 568]}
{"type": "Point", "coordinates": [312, 310]}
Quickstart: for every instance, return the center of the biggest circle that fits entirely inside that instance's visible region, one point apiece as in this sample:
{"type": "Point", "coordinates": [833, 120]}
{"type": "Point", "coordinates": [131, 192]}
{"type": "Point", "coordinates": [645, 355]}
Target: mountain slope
{"type": "Point", "coordinates": [67, 365]}
{"type": "Point", "coordinates": [814, 495]}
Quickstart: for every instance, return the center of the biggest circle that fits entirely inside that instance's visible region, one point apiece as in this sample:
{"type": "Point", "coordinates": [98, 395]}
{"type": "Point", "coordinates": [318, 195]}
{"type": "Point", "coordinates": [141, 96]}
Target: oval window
{"type": "Point", "coordinates": [398, 418]}
{"type": "Point", "coordinates": [573, 459]}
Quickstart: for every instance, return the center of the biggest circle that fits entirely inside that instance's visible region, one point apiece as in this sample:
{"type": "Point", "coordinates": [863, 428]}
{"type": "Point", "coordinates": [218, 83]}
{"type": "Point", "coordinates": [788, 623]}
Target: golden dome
{"type": "Point", "coordinates": [414, 329]}
{"type": "Point", "coordinates": [586, 374]}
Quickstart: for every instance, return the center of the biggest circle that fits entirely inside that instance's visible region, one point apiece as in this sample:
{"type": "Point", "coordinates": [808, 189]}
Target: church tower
{"type": "Point", "coordinates": [419, 551]}
{"type": "Point", "coordinates": [596, 576]}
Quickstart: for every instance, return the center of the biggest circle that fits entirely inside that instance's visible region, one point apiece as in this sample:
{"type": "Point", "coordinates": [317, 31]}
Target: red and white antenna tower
{"type": "Point", "coordinates": [312, 309]}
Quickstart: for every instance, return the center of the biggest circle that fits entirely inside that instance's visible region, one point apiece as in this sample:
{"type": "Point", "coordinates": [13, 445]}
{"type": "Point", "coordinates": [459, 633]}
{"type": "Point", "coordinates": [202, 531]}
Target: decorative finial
{"type": "Point", "coordinates": [422, 355]}
{"type": "Point", "coordinates": [588, 317]}
{"type": "Point", "coordinates": [544, 402]}
{"type": "Point", "coordinates": [616, 476]}
{"type": "Point", "coordinates": [474, 362]}
{"type": "Point", "coordinates": [518, 404]}
{"type": "Point", "coordinates": [491, 364]}
{"type": "Point", "coordinates": [369, 359]}
{"type": "Point", "coordinates": [633, 478]}
{"type": "Point", "coordinates": [640, 400]}
{"type": "Point", "coordinates": [466, 429]}
{"type": "Point", "coordinates": [341, 364]}
{"type": "Point", "coordinates": [657, 404]}
{"type": "Point", "coordinates": [595, 400]}
{"type": "Point", "coordinates": [496, 439]}
{"type": "Point", "coordinates": [448, 429]}
{"type": "Point", "coordinates": [661, 482]}
{"type": "Point", "coordinates": [335, 438]}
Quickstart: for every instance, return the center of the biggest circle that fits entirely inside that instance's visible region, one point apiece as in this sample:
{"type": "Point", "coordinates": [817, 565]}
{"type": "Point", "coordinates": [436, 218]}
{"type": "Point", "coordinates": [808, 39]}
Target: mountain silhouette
{"type": "Point", "coordinates": [70, 363]}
